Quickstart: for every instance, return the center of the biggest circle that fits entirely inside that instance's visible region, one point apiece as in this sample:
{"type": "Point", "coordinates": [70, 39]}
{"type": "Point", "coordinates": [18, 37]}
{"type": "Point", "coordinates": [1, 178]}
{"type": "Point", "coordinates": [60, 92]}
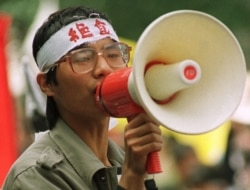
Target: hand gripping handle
{"type": "Point", "coordinates": [153, 164]}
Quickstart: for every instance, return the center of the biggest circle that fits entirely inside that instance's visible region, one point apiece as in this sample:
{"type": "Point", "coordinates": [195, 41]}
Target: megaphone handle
{"type": "Point", "coordinates": [153, 164]}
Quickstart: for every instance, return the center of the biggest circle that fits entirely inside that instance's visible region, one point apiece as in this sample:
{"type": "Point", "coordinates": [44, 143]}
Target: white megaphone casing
{"type": "Point", "coordinates": [193, 35]}
{"type": "Point", "coordinates": [175, 37]}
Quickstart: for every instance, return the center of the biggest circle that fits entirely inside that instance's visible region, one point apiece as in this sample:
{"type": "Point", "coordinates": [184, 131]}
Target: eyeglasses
{"type": "Point", "coordinates": [117, 55]}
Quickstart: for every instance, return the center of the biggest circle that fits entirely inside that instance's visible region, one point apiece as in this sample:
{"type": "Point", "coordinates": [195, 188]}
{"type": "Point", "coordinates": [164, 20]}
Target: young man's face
{"type": "Point", "coordinates": [75, 93]}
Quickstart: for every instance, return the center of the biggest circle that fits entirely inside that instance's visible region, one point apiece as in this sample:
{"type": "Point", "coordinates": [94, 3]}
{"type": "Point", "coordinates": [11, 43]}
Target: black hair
{"type": "Point", "coordinates": [54, 23]}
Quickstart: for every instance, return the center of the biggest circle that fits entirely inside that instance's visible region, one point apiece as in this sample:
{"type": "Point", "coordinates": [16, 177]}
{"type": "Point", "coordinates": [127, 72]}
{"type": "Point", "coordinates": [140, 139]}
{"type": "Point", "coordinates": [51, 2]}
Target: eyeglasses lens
{"type": "Point", "coordinates": [116, 55]}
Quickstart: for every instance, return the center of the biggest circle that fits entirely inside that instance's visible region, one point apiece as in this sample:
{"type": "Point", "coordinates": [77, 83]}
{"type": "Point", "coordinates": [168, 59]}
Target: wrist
{"type": "Point", "coordinates": [132, 181]}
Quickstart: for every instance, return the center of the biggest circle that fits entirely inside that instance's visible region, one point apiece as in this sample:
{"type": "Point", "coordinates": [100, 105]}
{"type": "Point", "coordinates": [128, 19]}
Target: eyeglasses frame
{"type": "Point", "coordinates": [67, 57]}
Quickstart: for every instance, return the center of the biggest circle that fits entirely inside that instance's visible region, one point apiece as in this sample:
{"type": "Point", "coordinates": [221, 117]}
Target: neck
{"type": "Point", "coordinates": [95, 135]}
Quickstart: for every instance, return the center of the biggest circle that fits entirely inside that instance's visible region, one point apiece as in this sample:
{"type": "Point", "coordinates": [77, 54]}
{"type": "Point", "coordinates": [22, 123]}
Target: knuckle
{"type": "Point", "coordinates": [137, 150]}
{"type": "Point", "coordinates": [156, 146]}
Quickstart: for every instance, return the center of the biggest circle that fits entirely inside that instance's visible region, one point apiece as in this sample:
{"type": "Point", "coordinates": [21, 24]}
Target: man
{"type": "Point", "coordinates": [74, 50]}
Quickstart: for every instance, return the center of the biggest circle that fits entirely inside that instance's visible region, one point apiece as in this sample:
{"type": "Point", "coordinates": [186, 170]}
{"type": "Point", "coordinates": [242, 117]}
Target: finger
{"type": "Point", "coordinates": [145, 145]}
{"type": "Point", "coordinates": [144, 140]}
{"type": "Point", "coordinates": [141, 119]}
{"type": "Point", "coordinates": [141, 130]}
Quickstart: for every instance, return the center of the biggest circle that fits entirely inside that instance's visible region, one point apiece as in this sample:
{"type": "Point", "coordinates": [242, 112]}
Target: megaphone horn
{"type": "Point", "coordinates": [188, 74]}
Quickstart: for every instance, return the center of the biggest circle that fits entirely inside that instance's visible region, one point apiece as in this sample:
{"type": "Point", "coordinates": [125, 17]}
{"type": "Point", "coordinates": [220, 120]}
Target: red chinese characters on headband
{"type": "Point", "coordinates": [81, 30]}
{"type": "Point", "coordinates": [102, 27]}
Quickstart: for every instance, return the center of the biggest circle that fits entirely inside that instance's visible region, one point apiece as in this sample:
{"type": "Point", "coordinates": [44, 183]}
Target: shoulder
{"type": "Point", "coordinates": [43, 153]}
{"type": "Point", "coordinates": [41, 156]}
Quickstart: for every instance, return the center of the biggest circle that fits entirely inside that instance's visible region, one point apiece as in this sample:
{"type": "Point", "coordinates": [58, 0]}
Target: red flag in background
{"type": "Point", "coordinates": [8, 150]}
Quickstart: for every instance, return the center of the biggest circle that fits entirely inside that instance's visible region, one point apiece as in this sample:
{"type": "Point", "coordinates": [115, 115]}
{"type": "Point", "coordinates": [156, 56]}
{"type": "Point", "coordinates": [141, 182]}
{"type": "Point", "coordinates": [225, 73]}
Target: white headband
{"type": "Point", "coordinates": [73, 35]}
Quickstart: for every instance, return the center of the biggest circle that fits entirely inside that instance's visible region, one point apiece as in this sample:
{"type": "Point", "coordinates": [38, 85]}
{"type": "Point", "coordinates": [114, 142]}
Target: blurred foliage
{"type": "Point", "coordinates": [130, 18]}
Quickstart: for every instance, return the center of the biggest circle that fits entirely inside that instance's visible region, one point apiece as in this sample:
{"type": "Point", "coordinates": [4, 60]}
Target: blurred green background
{"type": "Point", "coordinates": [131, 17]}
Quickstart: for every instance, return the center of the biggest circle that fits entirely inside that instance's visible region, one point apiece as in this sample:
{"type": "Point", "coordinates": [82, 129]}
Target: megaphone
{"type": "Point", "coordinates": [188, 74]}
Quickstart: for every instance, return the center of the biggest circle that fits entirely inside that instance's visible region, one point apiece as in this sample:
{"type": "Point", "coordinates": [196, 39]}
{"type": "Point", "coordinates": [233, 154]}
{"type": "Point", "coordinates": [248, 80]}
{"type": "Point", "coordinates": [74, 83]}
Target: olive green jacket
{"type": "Point", "coordinates": [59, 159]}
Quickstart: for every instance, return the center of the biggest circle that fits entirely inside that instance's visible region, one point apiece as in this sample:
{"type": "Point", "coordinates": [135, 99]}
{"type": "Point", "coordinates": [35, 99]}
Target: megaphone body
{"type": "Point", "coordinates": [116, 93]}
{"type": "Point", "coordinates": [188, 74]}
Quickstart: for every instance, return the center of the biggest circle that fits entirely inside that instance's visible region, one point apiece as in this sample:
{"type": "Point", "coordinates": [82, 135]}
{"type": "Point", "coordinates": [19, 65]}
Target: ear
{"type": "Point", "coordinates": [44, 86]}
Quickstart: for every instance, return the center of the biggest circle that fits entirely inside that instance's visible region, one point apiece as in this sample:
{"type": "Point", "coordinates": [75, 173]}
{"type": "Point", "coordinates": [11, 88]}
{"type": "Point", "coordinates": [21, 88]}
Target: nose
{"type": "Point", "coordinates": [102, 67]}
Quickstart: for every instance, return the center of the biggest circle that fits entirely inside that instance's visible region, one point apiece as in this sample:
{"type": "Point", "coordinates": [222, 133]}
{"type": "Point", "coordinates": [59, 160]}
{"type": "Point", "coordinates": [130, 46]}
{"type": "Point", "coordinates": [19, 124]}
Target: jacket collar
{"type": "Point", "coordinates": [80, 155]}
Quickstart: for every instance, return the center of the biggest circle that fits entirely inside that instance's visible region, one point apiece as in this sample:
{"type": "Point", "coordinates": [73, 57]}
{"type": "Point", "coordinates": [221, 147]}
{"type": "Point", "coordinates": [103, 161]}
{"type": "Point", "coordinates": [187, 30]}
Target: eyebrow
{"type": "Point", "coordinates": [84, 45]}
